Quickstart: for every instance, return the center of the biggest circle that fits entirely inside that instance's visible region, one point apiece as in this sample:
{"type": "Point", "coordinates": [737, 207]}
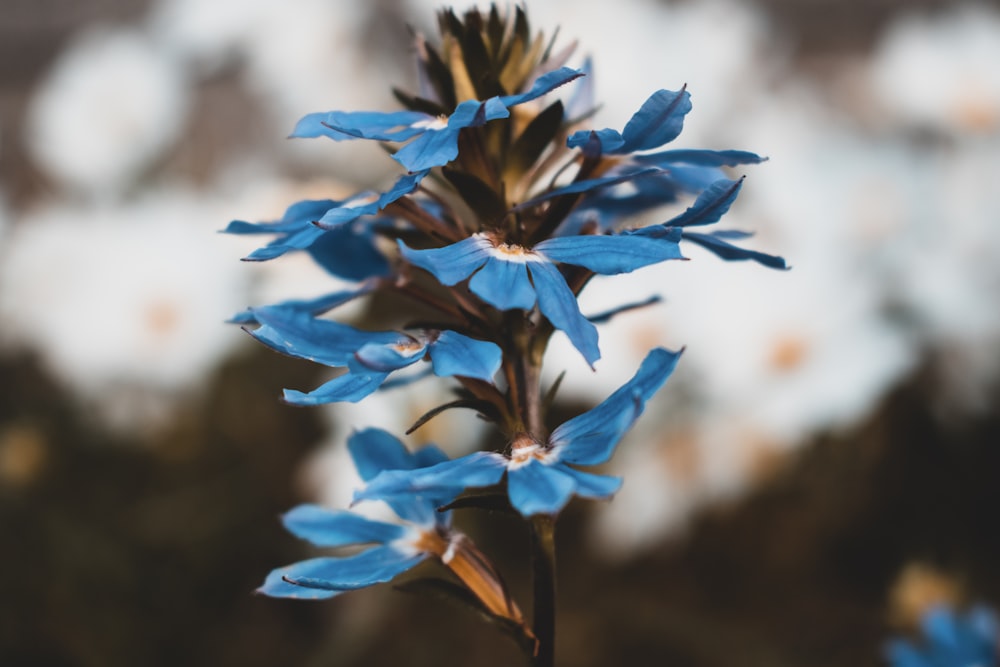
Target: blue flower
{"type": "Point", "coordinates": [390, 548]}
{"type": "Point", "coordinates": [540, 479]}
{"type": "Point", "coordinates": [510, 276]}
{"type": "Point", "coordinates": [323, 228]}
{"type": "Point", "coordinates": [950, 641]}
{"type": "Point", "coordinates": [433, 139]}
{"type": "Point", "coordinates": [369, 356]}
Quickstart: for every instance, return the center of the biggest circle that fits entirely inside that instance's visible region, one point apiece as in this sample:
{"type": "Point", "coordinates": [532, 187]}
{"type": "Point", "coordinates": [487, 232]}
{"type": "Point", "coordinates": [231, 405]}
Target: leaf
{"type": "Point", "coordinates": [490, 501]}
{"type": "Point", "coordinates": [486, 408]}
{"type": "Point", "coordinates": [415, 103]}
{"type": "Point", "coordinates": [534, 139]}
{"type": "Point", "coordinates": [480, 197]}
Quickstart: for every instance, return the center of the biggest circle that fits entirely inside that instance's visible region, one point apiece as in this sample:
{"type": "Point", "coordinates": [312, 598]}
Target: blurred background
{"type": "Point", "coordinates": [820, 469]}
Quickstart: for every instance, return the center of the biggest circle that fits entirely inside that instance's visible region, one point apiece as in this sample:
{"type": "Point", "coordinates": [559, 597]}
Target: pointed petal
{"type": "Point", "coordinates": [455, 354]}
{"type": "Point", "coordinates": [595, 142]}
{"type": "Point", "coordinates": [315, 306]}
{"type": "Point", "coordinates": [349, 252]}
{"type": "Point", "coordinates": [350, 388]}
{"type": "Point", "coordinates": [299, 334]}
{"type": "Point", "coordinates": [375, 451]}
{"type": "Point", "coordinates": [703, 158]}
{"type": "Point", "coordinates": [590, 438]}
{"type": "Point", "coordinates": [609, 255]}
{"type": "Point", "coordinates": [503, 283]}
{"type": "Point", "coordinates": [558, 303]}
{"type": "Point", "coordinates": [370, 203]}
{"type": "Point", "coordinates": [542, 85]}
{"type": "Point", "coordinates": [536, 488]}
{"type": "Point", "coordinates": [589, 485]}
{"type": "Point", "coordinates": [295, 217]}
{"type": "Point", "coordinates": [437, 147]}
{"type": "Point", "coordinates": [727, 251]}
{"type": "Point", "coordinates": [449, 477]}
{"type": "Point", "coordinates": [659, 120]}
{"type": "Point", "coordinates": [275, 585]}
{"type": "Point", "coordinates": [387, 357]}
{"type": "Point", "coordinates": [376, 125]}
{"type": "Point", "coordinates": [374, 566]}
{"type": "Point", "coordinates": [710, 205]}
{"type": "Point", "coordinates": [450, 264]}
{"type": "Point", "coordinates": [326, 528]}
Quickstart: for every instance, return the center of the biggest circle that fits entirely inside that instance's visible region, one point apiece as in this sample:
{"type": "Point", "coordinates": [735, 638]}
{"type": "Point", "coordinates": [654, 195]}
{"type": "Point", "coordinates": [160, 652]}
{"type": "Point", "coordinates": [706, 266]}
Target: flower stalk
{"type": "Point", "coordinates": [506, 208]}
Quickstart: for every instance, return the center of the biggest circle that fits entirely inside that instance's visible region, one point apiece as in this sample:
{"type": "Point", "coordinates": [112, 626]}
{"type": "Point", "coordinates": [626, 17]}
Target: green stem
{"type": "Point", "coordinates": [543, 553]}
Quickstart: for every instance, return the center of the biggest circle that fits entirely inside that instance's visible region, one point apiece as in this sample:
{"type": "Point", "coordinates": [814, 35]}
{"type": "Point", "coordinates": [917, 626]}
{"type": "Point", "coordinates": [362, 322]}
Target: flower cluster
{"type": "Point", "coordinates": [508, 206]}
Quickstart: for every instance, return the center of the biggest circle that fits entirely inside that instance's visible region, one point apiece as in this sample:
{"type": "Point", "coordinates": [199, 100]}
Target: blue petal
{"type": "Point", "coordinates": [275, 585]}
{"type": "Point", "coordinates": [438, 147]}
{"type": "Point", "coordinates": [315, 306]}
{"type": "Point", "coordinates": [703, 158]}
{"type": "Point", "coordinates": [558, 303]}
{"type": "Point", "coordinates": [449, 477]}
{"type": "Point", "coordinates": [590, 438]}
{"type": "Point", "coordinates": [350, 388]}
{"type": "Point", "coordinates": [542, 85]}
{"type": "Point", "coordinates": [727, 251]}
{"type": "Point", "coordinates": [710, 205]}
{"type": "Point", "coordinates": [504, 284]}
{"type": "Point", "coordinates": [295, 217]}
{"type": "Point", "coordinates": [589, 485]}
{"type": "Point", "coordinates": [377, 125]}
{"type": "Point", "coordinates": [596, 142]}
{"type": "Point", "coordinates": [326, 528]}
{"type": "Point", "coordinates": [298, 334]}
{"type": "Point", "coordinates": [387, 357]}
{"type": "Point", "coordinates": [609, 254]}
{"type": "Point", "coordinates": [450, 264]}
{"type": "Point", "coordinates": [374, 566]}
{"type": "Point", "coordinates": [369, 203]}
{"type": "Point", "coordinates": [658, 121]}
{"type": "Point", "coordinates": [375, 451]}
{"type": "Point", "coordinates": [349, 252]}
{"type": "Point", "coordinates": [536, 488]}
{"type": "Point", "coordinates": [455, 354]}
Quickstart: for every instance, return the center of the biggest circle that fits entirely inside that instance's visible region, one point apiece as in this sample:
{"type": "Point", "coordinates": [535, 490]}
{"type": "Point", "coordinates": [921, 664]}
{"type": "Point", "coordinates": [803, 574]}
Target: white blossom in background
{"type": "Point", "coordinates": [297, 56]}
{"type": "Point", "coordinates": [125, 300]}
{"type": "Point", "coordinates": [109, 108]}
{"type": "Point", "coordinates": [940, 70]}
{"type": "Point", "coordinates": [721, 49]}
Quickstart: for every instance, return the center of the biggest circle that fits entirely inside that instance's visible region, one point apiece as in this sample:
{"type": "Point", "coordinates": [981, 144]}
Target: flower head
{"type": "Point", "coordinates": [540, 479]}
{"type": "Point", "coordinates": [369, 356]}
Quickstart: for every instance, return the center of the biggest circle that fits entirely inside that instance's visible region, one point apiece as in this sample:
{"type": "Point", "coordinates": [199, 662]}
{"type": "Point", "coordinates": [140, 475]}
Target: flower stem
{"type": "Point", "coordinates": [543, 552]}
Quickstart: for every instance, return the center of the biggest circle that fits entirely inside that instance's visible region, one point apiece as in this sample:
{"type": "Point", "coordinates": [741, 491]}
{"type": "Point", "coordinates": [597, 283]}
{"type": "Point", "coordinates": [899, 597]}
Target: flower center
{"type": "Point", "coordinates": [524, 449]}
